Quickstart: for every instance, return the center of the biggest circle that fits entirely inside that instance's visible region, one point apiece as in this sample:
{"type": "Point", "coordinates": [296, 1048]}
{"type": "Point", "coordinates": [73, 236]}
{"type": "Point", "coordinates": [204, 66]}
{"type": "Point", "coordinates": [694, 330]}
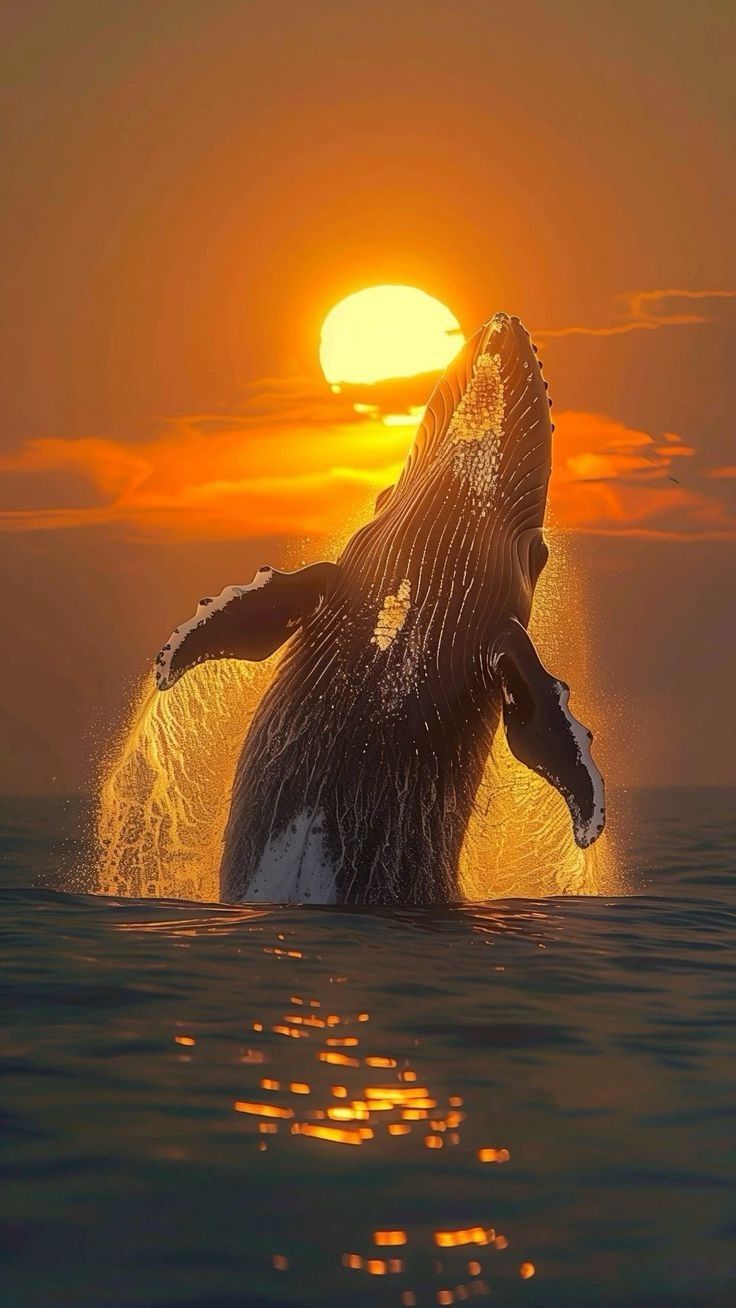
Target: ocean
{"type": "Point", "coordinates": [525, 1102]}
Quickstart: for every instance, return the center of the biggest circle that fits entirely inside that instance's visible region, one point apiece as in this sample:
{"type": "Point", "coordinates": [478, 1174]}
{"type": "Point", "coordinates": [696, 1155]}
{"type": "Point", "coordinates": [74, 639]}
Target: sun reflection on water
{"type": "Point", "coordinates": [416, 1168]}
{"type": "Point", "coordinates": [398, 1113]}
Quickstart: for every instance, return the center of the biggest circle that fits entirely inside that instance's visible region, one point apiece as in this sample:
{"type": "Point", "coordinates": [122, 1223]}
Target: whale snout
{"type": "Point", "coordinates": [509, 329]}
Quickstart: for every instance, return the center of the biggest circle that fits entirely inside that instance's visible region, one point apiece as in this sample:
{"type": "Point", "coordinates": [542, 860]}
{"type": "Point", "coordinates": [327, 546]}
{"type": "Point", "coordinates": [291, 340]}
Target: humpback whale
{"type": "Point", "coordinates": [358, 774]}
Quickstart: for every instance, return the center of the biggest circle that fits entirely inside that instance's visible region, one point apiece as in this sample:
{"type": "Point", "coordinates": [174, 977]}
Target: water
{"type": "Point", "coordinates": [592, 1039]}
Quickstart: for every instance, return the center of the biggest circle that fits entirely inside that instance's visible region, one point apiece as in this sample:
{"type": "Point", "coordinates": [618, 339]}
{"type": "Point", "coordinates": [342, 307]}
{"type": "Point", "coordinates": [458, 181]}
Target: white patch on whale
{"type": "Point", "coordinates": [585, 832]}
{"type": "Point", "coordinates": [392, 615]}
{"type": "Point", "coordinates": [401, 666]}
{"type": "Point", "coordinates": [295, 867]}
{"type": "Point", "coordinates": [205, 610]}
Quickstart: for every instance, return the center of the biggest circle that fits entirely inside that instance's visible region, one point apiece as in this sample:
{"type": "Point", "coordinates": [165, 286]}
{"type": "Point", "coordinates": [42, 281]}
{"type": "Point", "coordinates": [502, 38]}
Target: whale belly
{"type": "Point", "coordinates": [295, 867]}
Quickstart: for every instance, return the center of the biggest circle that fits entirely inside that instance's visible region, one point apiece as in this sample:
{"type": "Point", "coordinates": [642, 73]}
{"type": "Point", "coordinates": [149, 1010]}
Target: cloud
{"type": "Point", "coordinates": [645, 311]}
{"type": "Point", "coordinates": [300, 462]}
{"type": "Point", "coordinates": [294, 462]}
{"type": "Point", "coordinates": [298, 459]}
{"type": "Point", "coordinates": [612, 479]}
{"type": "Point", "coordinates": [114, 470]}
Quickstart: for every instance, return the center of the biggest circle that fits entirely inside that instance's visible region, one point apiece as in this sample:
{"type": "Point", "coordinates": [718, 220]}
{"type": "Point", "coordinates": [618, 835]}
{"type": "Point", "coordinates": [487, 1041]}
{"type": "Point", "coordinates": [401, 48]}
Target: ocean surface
{"type": "Point", "coordinates": [514, 1102]}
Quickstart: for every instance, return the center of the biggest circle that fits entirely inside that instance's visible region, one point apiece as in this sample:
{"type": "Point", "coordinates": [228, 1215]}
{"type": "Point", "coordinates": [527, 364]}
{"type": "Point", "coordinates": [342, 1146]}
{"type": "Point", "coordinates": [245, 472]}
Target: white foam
{"type": "Point", "coordinates": [205, 610]}
{"type": "Point", "coordinates": [295, 867]}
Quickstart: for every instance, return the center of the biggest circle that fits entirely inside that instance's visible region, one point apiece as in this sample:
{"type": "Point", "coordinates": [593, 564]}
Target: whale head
{"type": "Point", "coordinates": [458, 540]}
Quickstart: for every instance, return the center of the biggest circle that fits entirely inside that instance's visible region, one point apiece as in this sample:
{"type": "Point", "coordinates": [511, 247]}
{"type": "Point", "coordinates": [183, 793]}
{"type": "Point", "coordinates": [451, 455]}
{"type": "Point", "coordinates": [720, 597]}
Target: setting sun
{"type": "Point", "coordinates": [387, 331]}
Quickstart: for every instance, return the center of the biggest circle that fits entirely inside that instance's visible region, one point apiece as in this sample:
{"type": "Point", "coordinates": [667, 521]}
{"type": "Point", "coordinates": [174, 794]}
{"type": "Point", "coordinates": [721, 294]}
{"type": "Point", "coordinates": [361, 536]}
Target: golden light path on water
{"type": "Point", "coordinates": [318, 1073]}
{"type": "Point", "coordinates": [164, 793]}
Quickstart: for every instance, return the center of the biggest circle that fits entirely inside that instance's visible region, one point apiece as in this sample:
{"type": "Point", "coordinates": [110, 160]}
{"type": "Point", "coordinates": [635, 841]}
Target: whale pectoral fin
{"type": "Point", "coordinates": [543, 734]}
{"type": "Point", "coordinates": [246, 622]}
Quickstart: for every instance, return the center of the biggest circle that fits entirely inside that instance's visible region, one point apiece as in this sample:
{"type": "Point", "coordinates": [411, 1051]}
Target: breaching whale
{"type": "Point", "coordinates": [359, 772]}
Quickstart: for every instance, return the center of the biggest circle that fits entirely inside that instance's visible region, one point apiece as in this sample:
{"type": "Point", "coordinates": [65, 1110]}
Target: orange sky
{"type": "Point", "coordinates": [189, 190]}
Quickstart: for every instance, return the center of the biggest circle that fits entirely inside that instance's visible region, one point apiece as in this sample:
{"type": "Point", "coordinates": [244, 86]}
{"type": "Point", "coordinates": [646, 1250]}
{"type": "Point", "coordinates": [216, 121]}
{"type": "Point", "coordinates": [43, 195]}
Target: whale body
{"type": "Point", "coordinates": [358, 774]}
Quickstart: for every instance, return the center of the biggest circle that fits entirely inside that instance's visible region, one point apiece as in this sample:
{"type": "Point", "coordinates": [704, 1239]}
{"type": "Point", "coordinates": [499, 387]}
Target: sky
{"type": "Point", "coordinates": [190, 188]}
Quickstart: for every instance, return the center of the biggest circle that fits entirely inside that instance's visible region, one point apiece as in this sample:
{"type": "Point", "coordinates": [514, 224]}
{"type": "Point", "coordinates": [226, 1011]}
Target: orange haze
{"type": "Point", "coordinates": [190, 188]}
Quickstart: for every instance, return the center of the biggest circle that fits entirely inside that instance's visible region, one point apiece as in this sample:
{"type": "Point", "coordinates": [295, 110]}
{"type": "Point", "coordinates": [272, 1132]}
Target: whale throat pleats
{"type": "Point", "coordinates": [246, 622]}
{"type": "Point", "coordinates": [542, 732]}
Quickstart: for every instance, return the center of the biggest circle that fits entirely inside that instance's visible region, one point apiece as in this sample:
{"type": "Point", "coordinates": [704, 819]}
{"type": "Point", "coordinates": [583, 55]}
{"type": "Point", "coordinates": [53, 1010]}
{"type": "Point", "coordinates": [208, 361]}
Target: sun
{"type": "Point", "coordinates": [384, 332]}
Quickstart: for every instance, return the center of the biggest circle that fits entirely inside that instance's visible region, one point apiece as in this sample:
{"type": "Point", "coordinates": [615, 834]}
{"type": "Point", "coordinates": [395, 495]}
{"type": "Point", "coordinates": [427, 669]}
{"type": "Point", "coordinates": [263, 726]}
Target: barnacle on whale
{"type": "Point", "coordinates": [481, 409]}
{"type": "Point", "coordinates": [392, 615]}
{"type": "Point", "coordinates": [475, 431]}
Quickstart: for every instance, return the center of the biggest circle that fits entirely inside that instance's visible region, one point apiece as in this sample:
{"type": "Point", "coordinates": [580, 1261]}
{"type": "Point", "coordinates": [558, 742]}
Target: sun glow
{"type": "Point", "coordinates": [384, 332]}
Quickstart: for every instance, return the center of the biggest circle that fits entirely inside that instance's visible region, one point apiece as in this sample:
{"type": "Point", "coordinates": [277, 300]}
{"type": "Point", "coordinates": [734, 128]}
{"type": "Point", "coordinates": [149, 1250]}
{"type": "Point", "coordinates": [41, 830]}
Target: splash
{"type": "Point", "coordinates": [520, 840]}
{"type": "Point", "coordinates": [165, 792]}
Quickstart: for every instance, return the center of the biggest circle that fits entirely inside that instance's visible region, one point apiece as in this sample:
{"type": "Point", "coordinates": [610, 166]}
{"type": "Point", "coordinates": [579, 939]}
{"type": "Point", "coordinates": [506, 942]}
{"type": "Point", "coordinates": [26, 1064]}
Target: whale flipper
{"type": "Point", "coordinates": [245, 622]}
{"type": "Point", "coordinates": [543, 734]}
